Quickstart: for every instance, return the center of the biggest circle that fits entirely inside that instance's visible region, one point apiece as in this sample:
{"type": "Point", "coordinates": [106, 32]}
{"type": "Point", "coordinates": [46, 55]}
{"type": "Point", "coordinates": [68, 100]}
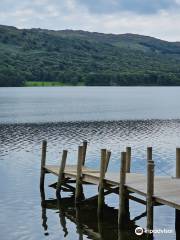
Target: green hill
{"type": "Point", "coordinates": [78, 57]}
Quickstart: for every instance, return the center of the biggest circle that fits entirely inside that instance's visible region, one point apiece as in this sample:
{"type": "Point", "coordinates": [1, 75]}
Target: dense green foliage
{"type": "Point", "coordinates": [78, 57]}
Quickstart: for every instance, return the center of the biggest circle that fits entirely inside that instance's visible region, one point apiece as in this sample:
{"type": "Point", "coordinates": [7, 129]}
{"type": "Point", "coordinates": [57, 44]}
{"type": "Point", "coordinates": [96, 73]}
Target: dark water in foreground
{"type": "Point", "coordinates": [21, 214]}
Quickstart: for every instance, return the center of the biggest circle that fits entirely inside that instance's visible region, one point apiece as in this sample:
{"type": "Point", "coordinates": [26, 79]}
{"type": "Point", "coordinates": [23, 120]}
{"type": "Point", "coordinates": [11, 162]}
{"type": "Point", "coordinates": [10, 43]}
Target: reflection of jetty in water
{"type": "Point", "coordinates": [157, 190]}
{"type": "Point", "coordinates": [87, 222]}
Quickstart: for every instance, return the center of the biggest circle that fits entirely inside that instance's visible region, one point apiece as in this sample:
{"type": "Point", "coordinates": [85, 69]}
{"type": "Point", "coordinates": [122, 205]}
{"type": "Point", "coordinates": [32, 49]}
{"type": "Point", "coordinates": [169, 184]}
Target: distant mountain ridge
{"type": "Point", "coordinates": [88, 58]}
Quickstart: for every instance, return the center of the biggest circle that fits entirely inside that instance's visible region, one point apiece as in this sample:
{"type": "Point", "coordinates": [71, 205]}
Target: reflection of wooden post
{"type": "Point", "coordinates": [149, 153]}
{"type": "Point", "coordinates": [101, 182]}
{"type": "Point", "coordinates": [43, 162]}
{"type": "Point", "coordinates": [78, 191]}
{"type": "Point", "coordinates": [62, 217]}
{"type": "Point", "coordinates": [128, 159]}
{"type": "Point", "coordinates": [84, 152]}
{"type": "Point", "coordinates": [78, 223]}
{"type": "Point", "coordinates": [150, 193]}
{"type": "Point", "coordinates": [122, 191]}
{"type": "Point", "coordinates": [43, 206]}
{"type": "Point", "coordinates": [100, 227]}
{"type": "Point", "coordinates": [121, 234]}
{"type": "Point", "coordinates": [108, 155]}
{"type": "Point", "coordinates": [177, 162]}
{"type": "Point", "coordinates": [61, 173]}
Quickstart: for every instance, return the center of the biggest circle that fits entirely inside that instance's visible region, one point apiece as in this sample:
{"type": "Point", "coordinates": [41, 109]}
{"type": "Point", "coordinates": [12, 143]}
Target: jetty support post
{"type": "Point", "coordinates": [177, 223]}
{"type": "Point", "coordinates": [84, 152]}
{"type": "Point", "coordinates": [177, 212]}
{"type": "Point", "coordinates": [128, 159]}
{"type": "Point", "coordinates": [78, 190]}
{"type": "Point", "coordinates": [108, 155]}
{"type": "Point", "coordinates": [150, 193]}
{"type": "Point", "coordinates": [101, 183]}
{"type": "Point", "coordinates": [149, 154]}
{"type": "Point", "coordinates": [177, 162]}
{"type": "Point", "coordinates": [43, 162]}
{"type": "Point", "coordinates": [122, 192]}
{"type": "Point", "coordinates": [61, 174]}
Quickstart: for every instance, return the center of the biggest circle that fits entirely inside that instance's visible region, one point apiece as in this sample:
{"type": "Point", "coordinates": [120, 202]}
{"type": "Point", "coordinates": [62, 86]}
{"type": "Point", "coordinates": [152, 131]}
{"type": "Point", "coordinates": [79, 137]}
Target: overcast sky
{"type": "Point", "coordinates": [158, 18]}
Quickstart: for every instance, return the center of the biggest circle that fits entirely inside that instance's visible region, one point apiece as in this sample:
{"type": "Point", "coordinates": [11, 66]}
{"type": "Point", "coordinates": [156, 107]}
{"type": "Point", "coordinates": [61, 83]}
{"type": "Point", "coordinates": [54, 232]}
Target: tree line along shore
{"type": "Point", "coordinates": [37, 57]}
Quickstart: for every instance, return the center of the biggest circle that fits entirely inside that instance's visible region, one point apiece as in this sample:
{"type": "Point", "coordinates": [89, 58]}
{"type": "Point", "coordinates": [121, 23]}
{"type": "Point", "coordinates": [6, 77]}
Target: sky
{"type": "Point", "coordinates": [157, 18]}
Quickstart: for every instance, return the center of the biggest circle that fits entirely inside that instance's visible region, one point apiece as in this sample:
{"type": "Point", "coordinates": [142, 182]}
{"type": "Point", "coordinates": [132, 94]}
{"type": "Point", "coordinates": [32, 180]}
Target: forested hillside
{"type": "Point", "coordinates": [79, 57]}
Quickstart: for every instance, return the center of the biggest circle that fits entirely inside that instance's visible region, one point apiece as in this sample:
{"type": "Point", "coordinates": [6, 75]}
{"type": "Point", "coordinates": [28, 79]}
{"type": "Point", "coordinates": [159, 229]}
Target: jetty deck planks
{"type": "Point", "coordinates": [166, 189]}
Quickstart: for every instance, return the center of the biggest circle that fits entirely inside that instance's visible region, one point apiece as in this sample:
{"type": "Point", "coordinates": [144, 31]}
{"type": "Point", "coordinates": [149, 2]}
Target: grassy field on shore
{"type": "Point", "coordinates": [48, 84]}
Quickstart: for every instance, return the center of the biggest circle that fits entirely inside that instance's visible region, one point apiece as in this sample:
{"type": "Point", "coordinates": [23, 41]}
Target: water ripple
{"type": "Point", "coordinates": [20, 154]}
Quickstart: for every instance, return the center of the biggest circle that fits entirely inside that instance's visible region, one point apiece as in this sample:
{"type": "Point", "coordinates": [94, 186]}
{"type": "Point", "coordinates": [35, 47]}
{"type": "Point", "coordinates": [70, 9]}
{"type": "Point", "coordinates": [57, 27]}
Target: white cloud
{"type": "Point", "coordinates": [22, 13]}
{"type": "Point", "coordinates": [52, 11]}
{"type": "Point", "coordinates": [71, 5]}
{"type": "Point", "coordinates": [71, 15]}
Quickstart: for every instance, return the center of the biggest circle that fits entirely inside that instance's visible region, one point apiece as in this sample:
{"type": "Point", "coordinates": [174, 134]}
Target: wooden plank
{"type": "Point", "coordinates": [166, 189]}
{"type": "Point", "coordinates": [69, 168]}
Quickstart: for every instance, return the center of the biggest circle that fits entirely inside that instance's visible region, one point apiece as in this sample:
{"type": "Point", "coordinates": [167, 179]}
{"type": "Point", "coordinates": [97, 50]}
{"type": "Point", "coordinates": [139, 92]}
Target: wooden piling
{"type": "Point", "coordinates": [108, 155]}
{"type": "Point", "coordinates": [150, 193]}
{"type": "Point", "coordinates": [177, 162]}
{"type": "Point", "coordinates": [43, 162]}
{"type": "Point", "coordinates": [78, 191]}
{"type": "Point", "coordinates": [149, 154]}
{"type": "Point", "coordinates": [84, 152]}
{"type": "Point", "coordinates": [61, 173]}
{"type": "Point", "coordinates": [177, 212]}
{"type": "Point", "coordinates": [177, 223]}
{"type": "Point", "coordinates": [128, 159]}
{"type": "Point", "coordinates": [122, 191]}
{"type": "Point", "coordinates": [101, 183]}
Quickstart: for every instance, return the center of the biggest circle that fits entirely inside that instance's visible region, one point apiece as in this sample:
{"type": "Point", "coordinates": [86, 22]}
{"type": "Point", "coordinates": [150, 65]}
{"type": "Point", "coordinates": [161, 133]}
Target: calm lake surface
{"type": "Point", "coordinates": [108, 117]}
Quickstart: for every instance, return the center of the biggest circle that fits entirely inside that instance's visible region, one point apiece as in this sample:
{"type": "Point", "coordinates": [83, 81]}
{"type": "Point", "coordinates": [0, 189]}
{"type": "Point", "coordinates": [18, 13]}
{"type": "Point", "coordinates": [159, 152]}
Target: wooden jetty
{"type": "Point", "coordinates": [156, 190]}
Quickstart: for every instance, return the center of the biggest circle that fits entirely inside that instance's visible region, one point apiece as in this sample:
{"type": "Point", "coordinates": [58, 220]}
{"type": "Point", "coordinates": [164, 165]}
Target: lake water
{"type": "Point", "coordinates": [108, 117]}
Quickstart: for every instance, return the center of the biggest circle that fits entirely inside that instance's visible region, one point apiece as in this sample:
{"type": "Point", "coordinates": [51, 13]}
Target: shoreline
{"type": "Point", "coordinates": [60, 84]}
